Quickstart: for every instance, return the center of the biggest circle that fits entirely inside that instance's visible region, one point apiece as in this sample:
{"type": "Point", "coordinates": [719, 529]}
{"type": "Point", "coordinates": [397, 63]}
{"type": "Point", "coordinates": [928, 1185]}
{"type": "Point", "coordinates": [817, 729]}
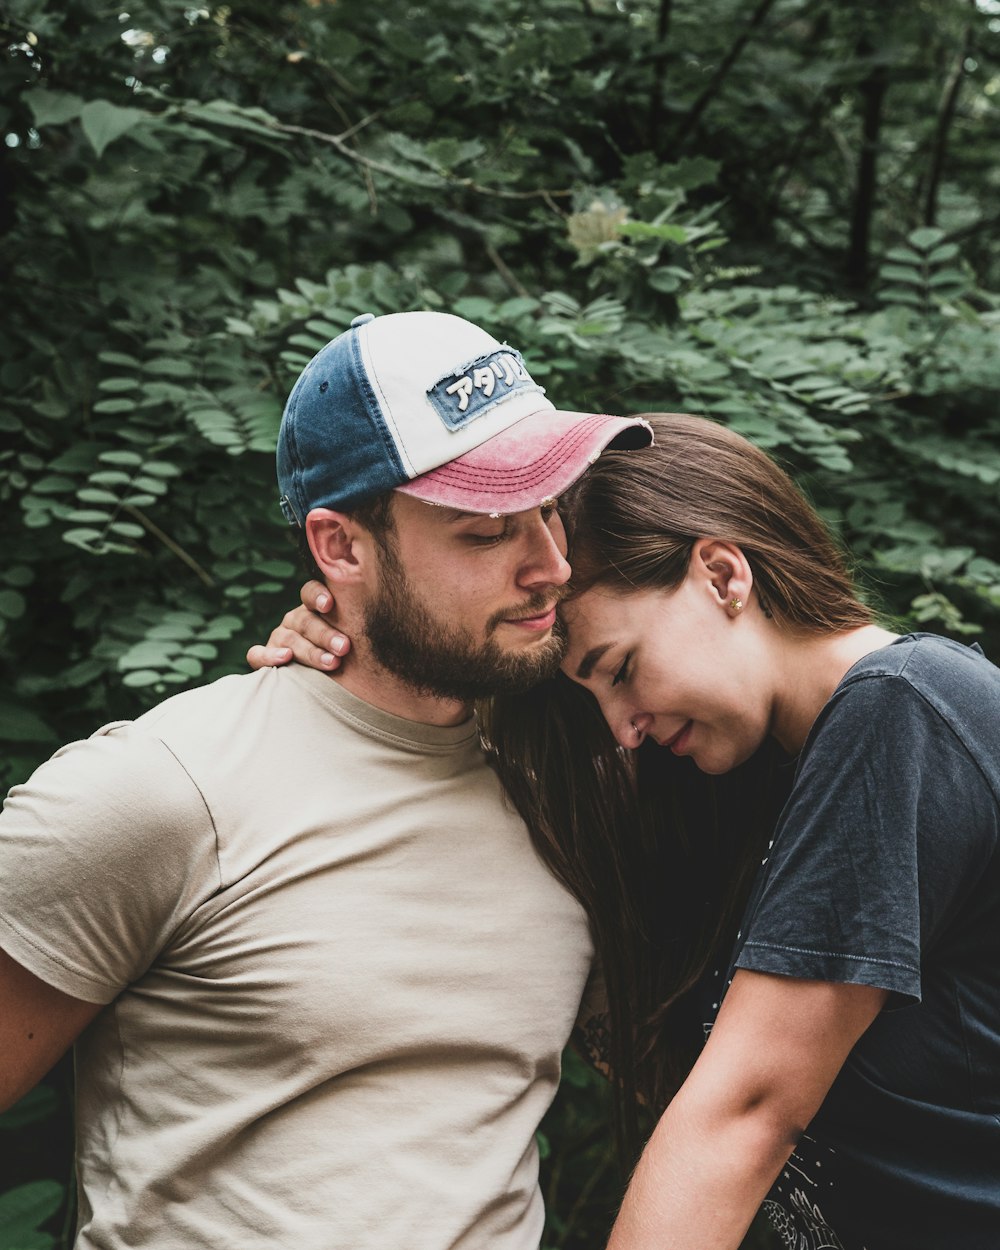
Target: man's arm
{"type": "Point", "coordinates": [776, 1048]}
{"type": "Point", "coordinates": [38, 1023]}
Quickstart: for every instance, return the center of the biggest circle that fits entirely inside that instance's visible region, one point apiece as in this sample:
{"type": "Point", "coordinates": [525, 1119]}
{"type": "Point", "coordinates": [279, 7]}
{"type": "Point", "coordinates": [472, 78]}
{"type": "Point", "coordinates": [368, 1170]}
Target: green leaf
{"type": "Point", "coordinates": [142, 677]}
{"type": "Point", "coordinates": [19, 723]}
{"type": "Point", "coordinates": [902, 273]}
{"type": "Point", "coordinates": [947, 277]}
{"type": "Point", "coordinates": [202, 650]}
{"type": "Point", "coordinates": [120, 457]}
{"type": "Point", "coordinates": [648, 230]}
{"type": "Point", "coordinates": [88, 516]}
{"type": "Point", "coordinates": [171, 631]}
{"type": "Point", "coordinates": [924, 238]}
{"type": "Point", "coordinates": [104, 122]}
{"type": "Point", "coordinates": [151, 484]}
{"type": "Point", "coordinates": [115, 405]}
{"type": "Point", "coordinates": [127, 529]}
{"type": "Point", "coordinates": [26, 1207]}
{"type": "Point", "coordinates": [188, 665]}
{"type": "Point", "coordinates": [164, 367]}
{"type": "Point", "coordinates": [947, 251]}
{"type": "Point", "coordinates": [12, 605]}
{"type": "Point", "coordinates": [221, 628]}
{"type": "Point", "coordinates": [18, 575]}
{"type": "Point", "coordinates": [110, 477]}
{"type": "Point", "coordinates": [96, 495]}
{"type": "Point", "coordinates": [53, 484]}
{"type": "Point", "coordinates": [38, 1104]}
{"type": "Point", "coordinates": [52, 108]}
{"type": "Point", "coordinates": [225, 113]}
{"type": "Point", "coordinates": [83, 537]}
{"type": "Point", "coordinates": [118, 385]}
{"type": "Point", "coordinates": [904, 255]}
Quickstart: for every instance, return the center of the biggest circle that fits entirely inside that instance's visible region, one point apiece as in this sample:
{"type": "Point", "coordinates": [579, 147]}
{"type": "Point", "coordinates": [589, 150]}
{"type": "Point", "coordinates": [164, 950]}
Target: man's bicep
{"type": "Point", "coordinates": [38, 1023]}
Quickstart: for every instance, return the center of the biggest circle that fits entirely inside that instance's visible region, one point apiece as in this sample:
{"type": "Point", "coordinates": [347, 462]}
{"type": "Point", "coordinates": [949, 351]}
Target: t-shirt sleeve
{"type": "Point", "coordinates": [889, 826]}
{"type": "Point", "coordinates": [103, 852]}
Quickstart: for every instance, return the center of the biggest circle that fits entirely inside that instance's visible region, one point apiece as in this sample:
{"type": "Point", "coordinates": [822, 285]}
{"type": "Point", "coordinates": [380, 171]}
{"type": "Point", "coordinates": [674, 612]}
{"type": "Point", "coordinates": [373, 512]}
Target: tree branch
{"type": "Point", "coordinates": [505, 271]}
{"type": "Point", "coordinates": [370, 163]}
{"type": "Point", "coordinates": [946, 115]}
{"type": "Point", "coordinates": [693, 116]}
{"type": "Point", "coordinates": [205, 578]}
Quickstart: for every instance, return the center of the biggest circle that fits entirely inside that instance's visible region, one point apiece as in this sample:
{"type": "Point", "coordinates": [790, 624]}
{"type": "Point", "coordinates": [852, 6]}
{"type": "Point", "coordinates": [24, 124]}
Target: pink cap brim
{"type": "Point", "coordinates": [533, 460]}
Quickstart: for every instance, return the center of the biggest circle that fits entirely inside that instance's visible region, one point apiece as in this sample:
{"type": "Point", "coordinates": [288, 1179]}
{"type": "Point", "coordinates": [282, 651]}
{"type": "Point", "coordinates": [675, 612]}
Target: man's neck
{"type": "Point", "coordinates": [365, 678]}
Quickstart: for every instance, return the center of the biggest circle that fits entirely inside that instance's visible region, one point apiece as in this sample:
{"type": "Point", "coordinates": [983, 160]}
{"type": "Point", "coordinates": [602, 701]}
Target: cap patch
{"type": "Point", "coordinates": [459, 398]}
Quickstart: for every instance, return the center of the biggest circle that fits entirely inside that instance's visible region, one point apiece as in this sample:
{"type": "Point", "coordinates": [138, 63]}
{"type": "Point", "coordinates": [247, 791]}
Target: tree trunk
{"type": "Point", "coordinates": [873, 91]}
{"type": "Point", "coordinates": [659, 76]}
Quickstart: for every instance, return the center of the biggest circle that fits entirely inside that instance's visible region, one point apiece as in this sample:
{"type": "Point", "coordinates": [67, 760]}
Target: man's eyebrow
{"type": "Point", "coordinates": [451, 515]}
{"type": "Point", "coordinates": [586, 666]}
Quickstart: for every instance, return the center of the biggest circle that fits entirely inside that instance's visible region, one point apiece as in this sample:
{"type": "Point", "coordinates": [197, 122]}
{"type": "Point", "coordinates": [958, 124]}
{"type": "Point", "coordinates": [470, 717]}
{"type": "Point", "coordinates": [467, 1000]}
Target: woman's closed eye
{"type": "Point", "coordinates": [622, 674]}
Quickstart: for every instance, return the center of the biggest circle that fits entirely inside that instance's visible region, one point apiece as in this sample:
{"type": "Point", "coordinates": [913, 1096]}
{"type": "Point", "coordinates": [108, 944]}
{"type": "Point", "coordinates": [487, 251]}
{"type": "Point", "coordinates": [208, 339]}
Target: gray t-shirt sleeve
{"type": "Point", "coordinates": [103, 852]}
{"type": "Point", "coordinates": [882, 839]}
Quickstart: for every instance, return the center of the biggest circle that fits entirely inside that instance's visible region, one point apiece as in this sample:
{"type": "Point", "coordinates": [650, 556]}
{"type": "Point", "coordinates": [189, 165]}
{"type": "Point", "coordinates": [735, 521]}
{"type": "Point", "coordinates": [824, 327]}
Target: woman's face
{"type": "Point", "coordinates": [683, 667]}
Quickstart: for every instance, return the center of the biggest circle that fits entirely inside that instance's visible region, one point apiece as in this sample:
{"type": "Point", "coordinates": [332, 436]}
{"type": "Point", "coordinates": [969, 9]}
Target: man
{"type": "Point", "coordinates": [318, 979]}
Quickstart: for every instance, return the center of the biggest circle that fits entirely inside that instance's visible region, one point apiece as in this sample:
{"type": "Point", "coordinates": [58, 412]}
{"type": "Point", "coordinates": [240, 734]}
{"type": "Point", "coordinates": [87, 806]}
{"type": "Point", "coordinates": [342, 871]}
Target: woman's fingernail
{"type": "Point", "coordinates": [337, 645]}
{"type": "Point", "coordinates": [322, 602]}
{"type": "Point", "coordinates": [326, 659]}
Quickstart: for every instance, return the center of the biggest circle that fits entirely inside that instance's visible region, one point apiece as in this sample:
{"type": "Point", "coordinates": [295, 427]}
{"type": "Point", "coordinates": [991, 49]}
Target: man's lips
{"type": "Point", "coordinates": [544, 621]}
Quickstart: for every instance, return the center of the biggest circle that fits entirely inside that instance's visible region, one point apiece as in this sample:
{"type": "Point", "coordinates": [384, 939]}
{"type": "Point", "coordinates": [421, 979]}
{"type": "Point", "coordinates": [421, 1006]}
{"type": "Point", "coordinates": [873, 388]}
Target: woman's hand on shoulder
{"type": "Point", "coordinates": [305, 634]}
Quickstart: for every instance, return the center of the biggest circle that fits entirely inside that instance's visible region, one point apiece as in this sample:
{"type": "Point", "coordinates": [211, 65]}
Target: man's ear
{"type": "Point", "coordinates": [338, 545]}
{"type": "Point", "coordinates": [724, 571]}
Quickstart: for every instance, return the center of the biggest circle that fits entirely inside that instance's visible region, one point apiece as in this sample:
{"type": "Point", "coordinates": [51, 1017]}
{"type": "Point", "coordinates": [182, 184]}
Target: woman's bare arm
{"type": "Point", "coordinates": [776, 1048]}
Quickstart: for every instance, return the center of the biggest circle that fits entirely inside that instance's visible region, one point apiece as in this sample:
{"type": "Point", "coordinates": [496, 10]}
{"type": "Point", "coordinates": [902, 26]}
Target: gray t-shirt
{"type": "Point", "coordinates": [885, 871]}
{"type": "Point", "coordinates": [338, 977]}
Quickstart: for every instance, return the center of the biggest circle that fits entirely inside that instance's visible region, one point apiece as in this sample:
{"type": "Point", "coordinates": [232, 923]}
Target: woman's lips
{"type": "Point", "coordinates": [678, 742]}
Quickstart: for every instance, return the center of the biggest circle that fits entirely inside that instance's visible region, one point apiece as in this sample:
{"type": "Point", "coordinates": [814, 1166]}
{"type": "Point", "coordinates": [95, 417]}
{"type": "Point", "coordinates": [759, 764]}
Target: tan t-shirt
{"type": "Point", "coordinates": [339, 978]}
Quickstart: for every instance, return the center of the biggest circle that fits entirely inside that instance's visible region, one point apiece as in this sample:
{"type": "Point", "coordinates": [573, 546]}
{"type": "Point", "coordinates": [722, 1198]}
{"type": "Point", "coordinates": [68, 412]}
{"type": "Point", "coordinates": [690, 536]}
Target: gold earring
{"type": "Point", "coordinates": [736, 603]}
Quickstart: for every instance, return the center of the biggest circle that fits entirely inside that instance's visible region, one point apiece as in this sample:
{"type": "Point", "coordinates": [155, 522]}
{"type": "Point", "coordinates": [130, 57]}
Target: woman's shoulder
{"type": "Point", "coordinates": [929, 663]}
{"type": "Point", "coordinates": [922, 677]}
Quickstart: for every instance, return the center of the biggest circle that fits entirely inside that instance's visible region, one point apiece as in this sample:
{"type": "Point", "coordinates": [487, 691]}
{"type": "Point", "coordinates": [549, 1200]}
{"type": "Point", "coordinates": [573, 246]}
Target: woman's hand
{"type": "Point", "coordinates": [304, 634]}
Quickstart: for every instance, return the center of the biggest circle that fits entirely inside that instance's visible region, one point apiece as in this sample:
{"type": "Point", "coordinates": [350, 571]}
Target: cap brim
{"type": "Point", "coordinates": [533, 460]}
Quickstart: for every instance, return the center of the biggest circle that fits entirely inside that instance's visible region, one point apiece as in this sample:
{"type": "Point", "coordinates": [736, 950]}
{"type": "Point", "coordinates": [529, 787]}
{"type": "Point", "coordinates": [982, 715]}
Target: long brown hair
{"type": "Point", "coordinates": [662, 856]}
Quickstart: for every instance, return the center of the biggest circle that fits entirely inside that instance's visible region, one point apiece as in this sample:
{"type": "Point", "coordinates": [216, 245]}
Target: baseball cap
{"type": "Point", "coordinates": [432, 405]}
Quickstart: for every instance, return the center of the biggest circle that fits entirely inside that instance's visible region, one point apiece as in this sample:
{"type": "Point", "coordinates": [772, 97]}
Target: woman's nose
{"type": "Point", "coordinates": [632, 728]}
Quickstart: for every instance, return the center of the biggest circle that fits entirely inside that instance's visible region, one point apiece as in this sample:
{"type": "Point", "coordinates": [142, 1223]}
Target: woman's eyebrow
{"type": "Point", "coordinates": [586, 666]}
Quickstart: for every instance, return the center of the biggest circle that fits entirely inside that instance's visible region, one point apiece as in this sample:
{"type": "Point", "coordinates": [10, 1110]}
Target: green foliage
{"type": "Point", "coordinates": [664, 206]}
{"type": "Point", "coordinates": [24, 1210]}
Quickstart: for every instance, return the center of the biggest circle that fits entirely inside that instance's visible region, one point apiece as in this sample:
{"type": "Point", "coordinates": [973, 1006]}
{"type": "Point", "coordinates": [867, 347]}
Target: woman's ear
{"type": "Point", "coordinates": [724, 571]}
{"type": "Point", "coordinates": [332, 538]}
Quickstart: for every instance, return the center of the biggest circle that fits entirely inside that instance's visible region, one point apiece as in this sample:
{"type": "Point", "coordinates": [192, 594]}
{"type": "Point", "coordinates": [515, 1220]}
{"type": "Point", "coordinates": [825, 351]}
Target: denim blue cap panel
{"type": "Point", "coordinates": [334, 449]}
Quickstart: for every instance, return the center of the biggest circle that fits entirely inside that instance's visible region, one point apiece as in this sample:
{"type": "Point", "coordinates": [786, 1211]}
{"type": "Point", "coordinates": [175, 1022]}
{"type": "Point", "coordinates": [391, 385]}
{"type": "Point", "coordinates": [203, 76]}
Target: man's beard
{"type": "Point", "coordinates": [449, 662]}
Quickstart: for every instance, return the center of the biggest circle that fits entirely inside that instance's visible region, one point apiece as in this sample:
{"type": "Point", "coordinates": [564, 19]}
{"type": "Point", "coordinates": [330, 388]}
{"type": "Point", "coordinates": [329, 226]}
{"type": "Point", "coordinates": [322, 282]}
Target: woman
{"type": "Point", "coordinates": [851, 1079]}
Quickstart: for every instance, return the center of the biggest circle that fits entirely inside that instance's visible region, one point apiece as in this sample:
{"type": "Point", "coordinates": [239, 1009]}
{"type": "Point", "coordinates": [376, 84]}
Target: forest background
{"type": "Point", "coordinates": [782, 213]}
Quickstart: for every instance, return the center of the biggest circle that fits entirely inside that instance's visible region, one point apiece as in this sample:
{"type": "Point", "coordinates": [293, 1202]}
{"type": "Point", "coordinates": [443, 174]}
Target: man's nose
{"type": "Point", "coordinates": [546, 563]}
